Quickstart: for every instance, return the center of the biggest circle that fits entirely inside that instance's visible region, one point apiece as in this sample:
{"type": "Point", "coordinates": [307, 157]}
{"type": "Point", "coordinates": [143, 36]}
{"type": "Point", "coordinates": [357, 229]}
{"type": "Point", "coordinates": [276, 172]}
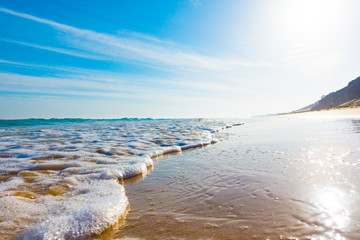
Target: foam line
{"type": "Point", "coordinates": [59, 178]}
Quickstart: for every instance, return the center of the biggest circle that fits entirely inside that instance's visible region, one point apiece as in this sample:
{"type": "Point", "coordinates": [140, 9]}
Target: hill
{"type": "Point", "coordinates": [346, 97]}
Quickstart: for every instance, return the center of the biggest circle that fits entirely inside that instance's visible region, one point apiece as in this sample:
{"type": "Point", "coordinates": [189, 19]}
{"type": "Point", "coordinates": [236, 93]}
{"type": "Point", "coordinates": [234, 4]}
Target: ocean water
{"type": "Point", "coordinates": [286, 177]}
{"type": "Point", "coordinates": [61, 178]}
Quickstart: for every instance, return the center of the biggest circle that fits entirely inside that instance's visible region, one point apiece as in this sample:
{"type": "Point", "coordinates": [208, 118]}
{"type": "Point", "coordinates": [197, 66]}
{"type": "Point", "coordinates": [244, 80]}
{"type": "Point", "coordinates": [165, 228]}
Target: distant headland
{"type": "Point", "coordinates": [347, 97]}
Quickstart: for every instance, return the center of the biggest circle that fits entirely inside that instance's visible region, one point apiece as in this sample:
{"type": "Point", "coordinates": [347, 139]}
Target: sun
{"type": "Point", "coordinates": [307, 19]}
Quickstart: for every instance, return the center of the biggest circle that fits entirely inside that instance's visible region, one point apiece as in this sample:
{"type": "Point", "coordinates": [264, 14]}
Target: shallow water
{"type": "Point", "coordinates": [61, 178]}
{"type": "Point", "coordinates": [274, 178]}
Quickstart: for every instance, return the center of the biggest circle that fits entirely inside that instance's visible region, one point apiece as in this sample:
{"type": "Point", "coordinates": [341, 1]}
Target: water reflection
{"type": "Point", "coordinates": [263, 183]}
{"type": "Point", "coordinates": [333, 205]}
{"type": "Point", "coordinates": [356, 126]}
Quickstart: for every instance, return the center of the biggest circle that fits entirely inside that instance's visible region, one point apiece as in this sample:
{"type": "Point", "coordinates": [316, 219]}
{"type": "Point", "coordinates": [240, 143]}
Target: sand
{"type": "Point", "coordinates": [332, 113]}
{"type": "Point", "coordinates": [283, 177]}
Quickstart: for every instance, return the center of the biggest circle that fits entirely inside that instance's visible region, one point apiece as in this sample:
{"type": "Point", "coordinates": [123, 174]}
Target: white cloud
{"type": "Point", "coordinates": [105, 75]}
{"type": "Point", "coordinates": [118, 90]}
{"type": "Point", "coordinates": [141, 49]}
{"type": "Point", "coordinates": [313, 60]}
{"type": "Point", "coordinates": [58, 50]}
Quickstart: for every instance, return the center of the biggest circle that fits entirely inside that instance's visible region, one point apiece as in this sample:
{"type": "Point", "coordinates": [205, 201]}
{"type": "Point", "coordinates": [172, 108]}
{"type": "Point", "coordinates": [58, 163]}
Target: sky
{"type": "Point", "coordinates": [173, 59]}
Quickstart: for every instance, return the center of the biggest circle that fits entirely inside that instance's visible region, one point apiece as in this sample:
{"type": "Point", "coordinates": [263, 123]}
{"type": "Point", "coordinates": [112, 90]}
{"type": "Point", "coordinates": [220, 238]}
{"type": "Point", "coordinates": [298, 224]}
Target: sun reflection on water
{"type": "Point", "coordinates": [333, 206]}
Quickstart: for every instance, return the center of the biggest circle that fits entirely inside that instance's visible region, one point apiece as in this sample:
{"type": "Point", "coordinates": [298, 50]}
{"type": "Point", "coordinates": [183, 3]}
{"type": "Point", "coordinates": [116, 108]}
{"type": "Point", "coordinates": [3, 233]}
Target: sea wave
{"type": "Point", "coordinates": [61, 179]}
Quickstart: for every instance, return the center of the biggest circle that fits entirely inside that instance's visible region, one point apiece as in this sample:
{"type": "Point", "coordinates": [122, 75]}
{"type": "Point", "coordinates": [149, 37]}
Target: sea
{"type": "Point", "coordinates": [63, 178]}
{"type": "Point", "coordinates": [280, 177]}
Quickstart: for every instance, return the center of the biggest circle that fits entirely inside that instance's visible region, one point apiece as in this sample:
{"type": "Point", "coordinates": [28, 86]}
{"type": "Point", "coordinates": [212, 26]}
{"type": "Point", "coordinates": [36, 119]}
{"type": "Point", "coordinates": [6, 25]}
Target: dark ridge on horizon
{"type": "Point", "coordinates": [347, 97]}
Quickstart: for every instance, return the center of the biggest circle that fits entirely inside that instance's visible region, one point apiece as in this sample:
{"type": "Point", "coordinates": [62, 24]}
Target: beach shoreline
{"type": "Point", "coordinates": [261, 183]}
{"type": "Point", "coordinates": [326, 112]}
{"type": "Point", "coordinates": [77, 166]}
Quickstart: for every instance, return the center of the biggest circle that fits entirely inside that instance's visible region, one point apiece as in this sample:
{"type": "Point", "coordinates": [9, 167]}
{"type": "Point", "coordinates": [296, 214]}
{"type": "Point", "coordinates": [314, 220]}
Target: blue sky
{"type": "Point", "coordinates": [190, 58]}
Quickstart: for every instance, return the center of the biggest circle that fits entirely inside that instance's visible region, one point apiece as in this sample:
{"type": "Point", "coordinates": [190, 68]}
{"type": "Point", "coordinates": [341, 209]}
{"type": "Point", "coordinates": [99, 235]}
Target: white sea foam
{"type": "Point", "coordinates": [60, 181]}
{"type": "Point", "coordinates": [91, 208]}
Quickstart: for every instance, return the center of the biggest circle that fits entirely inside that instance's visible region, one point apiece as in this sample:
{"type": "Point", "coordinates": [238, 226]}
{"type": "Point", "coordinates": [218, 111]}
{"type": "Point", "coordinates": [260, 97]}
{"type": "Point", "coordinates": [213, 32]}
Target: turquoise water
{"type": "Point", "coordinates": [53, 171]}
{"type": "Point", "coordinates": [54, 121]}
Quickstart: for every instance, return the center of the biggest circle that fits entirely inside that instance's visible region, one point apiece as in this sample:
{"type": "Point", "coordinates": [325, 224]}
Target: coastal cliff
{"type": "Point", "coordinates": [348, 96]}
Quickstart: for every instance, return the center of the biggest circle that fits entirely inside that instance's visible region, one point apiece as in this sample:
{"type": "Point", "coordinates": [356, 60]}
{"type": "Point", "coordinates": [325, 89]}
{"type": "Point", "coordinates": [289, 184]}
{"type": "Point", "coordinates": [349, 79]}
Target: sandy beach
{"type": "Point", "coordinates": [342, 112]}
{"type": "Point", "coordinates": [286, 177]}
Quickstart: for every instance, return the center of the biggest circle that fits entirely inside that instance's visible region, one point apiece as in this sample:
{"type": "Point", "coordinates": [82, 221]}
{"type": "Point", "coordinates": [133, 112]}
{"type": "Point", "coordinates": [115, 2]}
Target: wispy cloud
{"type": "Point", "coordinates": [223, 84]}
{"type": "Point", "coordinates": [67, 70]}
{"type": "Point", "coordinates": [143, 50]}
{"type": "Point", "coordinates": [72, 86]}
{"type": "Point", "coordinates": [185, 77]}
{"type": "Point", "coordinates": [79, 87]}
{"type": "Point", "coordinates": [54, 49]}
{"type": "Point", "coordinates": [312, 59]}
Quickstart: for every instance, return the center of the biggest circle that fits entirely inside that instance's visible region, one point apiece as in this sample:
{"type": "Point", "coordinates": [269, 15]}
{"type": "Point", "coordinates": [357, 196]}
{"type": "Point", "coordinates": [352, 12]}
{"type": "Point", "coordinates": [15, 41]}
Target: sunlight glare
{"type": "Point", "coordinates": [333, 203]}
{"type": "Point", "coordinates": [309, 19]}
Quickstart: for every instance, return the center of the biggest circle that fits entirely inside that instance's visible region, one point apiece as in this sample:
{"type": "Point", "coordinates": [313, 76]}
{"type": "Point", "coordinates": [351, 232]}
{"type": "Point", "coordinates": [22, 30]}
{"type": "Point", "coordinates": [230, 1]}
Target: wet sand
{"type": "Point", "coordinates": [344, 112]}
{"type": "Point", "coordinates": [273, 178]}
